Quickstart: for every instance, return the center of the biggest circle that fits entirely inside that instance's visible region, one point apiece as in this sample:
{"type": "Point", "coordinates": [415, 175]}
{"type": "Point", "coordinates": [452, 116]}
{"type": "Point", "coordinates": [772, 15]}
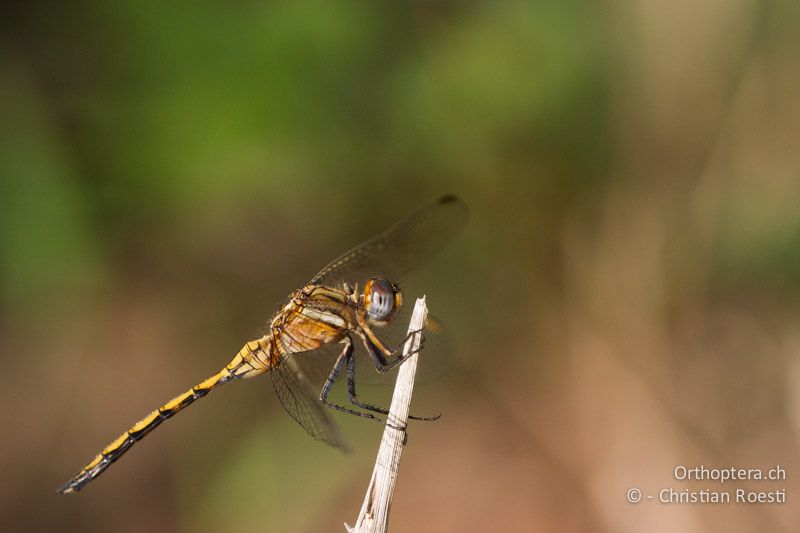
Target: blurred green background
{"type": "Point", "coordinates": [624, 300]}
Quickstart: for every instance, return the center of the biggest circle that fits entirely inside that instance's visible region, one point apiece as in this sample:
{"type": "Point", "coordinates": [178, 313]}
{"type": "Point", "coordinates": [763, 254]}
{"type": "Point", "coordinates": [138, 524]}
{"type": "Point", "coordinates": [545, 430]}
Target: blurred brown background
{"type": "Point", "coordinates": [625, 298]}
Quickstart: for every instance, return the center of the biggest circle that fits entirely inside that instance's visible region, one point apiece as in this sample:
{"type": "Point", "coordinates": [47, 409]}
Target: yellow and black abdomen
{"type": "Point", "coordinates": [252, 359]}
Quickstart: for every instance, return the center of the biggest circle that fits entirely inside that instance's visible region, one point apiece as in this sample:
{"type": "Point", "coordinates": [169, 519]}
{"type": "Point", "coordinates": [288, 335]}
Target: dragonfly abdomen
{"type": "Point", "coordinates": [252, 359]}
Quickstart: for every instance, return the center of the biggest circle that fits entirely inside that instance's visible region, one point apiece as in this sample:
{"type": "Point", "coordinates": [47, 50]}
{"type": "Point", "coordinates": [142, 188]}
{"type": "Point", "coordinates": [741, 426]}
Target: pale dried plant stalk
{"type": "Point", "coordinates": [374, 515]}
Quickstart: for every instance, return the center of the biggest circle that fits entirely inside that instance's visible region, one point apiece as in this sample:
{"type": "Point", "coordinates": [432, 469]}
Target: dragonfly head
{"type": "Point", "coordinates": [382, 300]}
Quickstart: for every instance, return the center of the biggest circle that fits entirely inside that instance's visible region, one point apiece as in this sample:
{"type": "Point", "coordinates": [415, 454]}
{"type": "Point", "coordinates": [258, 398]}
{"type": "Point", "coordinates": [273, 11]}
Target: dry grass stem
{"type": "Point", "coordinates": [374, 515]}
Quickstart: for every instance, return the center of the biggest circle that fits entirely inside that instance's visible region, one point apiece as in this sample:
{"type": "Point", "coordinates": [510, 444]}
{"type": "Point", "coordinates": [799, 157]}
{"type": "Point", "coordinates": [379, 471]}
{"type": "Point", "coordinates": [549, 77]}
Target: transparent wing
{"type": "Point", "coordinates": [402, 248]}
{"type": "Point", "coordinates": [301, 400]}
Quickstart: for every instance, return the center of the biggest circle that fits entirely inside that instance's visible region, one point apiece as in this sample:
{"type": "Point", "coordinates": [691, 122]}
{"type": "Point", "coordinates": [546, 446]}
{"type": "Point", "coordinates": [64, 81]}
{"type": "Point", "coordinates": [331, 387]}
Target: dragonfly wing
{"type": "Point", "coordinates": [401, 248]}
{"type": "Point", "coordinates": [301, 400]}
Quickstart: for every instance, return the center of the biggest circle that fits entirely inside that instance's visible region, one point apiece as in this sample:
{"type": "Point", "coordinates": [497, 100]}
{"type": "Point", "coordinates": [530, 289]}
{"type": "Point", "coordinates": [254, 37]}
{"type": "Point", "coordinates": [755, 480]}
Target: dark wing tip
{"type": "Point", "coordinates": [454, 202]}
{"type": "Point", "coordinates": [448, 199]}
{"type": "Point", "coordinates": [456, 205]}
{"type": "Point", "coordinates": [343, 447]}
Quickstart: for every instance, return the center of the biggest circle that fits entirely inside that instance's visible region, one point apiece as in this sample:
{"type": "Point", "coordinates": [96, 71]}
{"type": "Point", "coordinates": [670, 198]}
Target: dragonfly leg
{"type": "Point", "coordinates": [351, 389]}
{"type": "Point", "coordinates": [398, 352]}
{"type": "Point", "coordinates": [379, 353]}
{"type": "Point", "coordinates": [346, 354]}
{"type": "Point", "coordinates": [351, 392]}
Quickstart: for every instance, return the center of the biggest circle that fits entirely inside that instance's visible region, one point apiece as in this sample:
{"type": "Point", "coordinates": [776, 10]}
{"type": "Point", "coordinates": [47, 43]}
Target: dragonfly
{"type": "Point", "coordinates": [324, 320]}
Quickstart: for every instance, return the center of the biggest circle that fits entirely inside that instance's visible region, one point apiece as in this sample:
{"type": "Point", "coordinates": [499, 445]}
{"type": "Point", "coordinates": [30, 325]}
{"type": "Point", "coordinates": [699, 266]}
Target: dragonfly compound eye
{"type": "Point", "coordinates": [382, 299]}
